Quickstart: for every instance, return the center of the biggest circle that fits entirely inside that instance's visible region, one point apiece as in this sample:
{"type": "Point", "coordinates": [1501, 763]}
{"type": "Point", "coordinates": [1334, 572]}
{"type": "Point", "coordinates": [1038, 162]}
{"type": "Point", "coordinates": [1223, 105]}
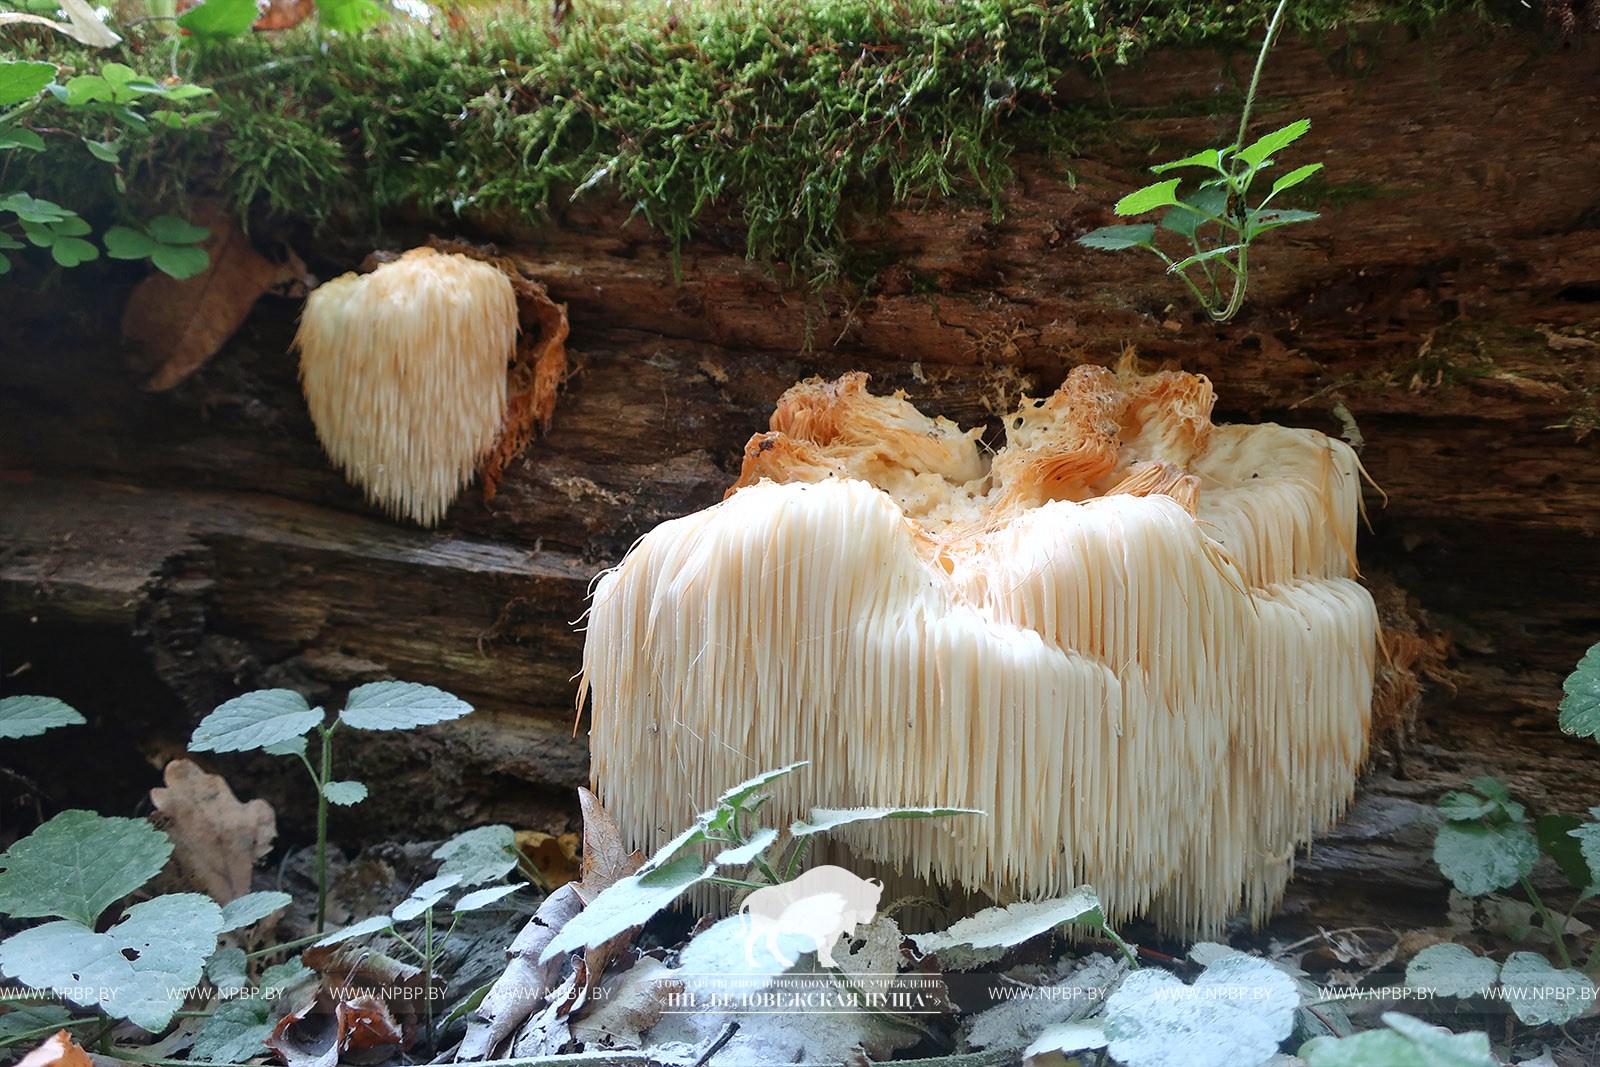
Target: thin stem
{"type": "Point", "coordinates": [737, 883]}
{"type": "Point", "coordinates": [1549, 923]}
{"type": "Point", "coordinates": [1127, 952]}
{"type": "Point", "coordinates": [287, 946]}
{"type": "Point", "coordinates": [1255, 77]}
{"type": "Point", "coordinates": [322, 825]}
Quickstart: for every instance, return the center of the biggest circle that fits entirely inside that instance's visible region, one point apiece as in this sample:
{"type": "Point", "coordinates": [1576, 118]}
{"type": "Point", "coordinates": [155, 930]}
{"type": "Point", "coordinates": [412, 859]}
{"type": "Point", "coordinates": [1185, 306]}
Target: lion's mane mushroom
{"type": "Point", "coordinates": [404, 370]}
{"type": "Point", "coordinates": [1132, 638]}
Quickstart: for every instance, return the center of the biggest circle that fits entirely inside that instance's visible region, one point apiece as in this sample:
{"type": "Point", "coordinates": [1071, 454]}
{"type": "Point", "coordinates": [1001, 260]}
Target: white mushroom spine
{"type": "Point", "coordinates": [404, 371]}
{"type": "Point", "coordinates": [1165, 705]}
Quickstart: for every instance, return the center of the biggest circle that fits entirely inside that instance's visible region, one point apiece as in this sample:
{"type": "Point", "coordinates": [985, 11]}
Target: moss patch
{"type": "Point", "coordinates": [796, 121]}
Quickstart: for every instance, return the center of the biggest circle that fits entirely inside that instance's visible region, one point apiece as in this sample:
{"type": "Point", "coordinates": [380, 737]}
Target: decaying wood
{"type": "Point", "coordinates": [1445, 304]}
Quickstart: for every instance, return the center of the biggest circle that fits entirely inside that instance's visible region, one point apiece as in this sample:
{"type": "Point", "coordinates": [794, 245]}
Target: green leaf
{"type": "Point", "coordinates": [289, 746]}
{"type": "Point", "coordinates": [1220, 252]}
{"type": "Point", "coordinates": [1409, 1043]}
{"type": "Point", "coordinates": [123, 242]}
{"type": "Point", "coordinates": [71, 251]}
{"type": "Point", "coordinates": [180, 120]}
{"type": "Point", "coordinates": [482, 898]}
{"type": "Point", "coordinates": [1457, 806]}
{"type": "Point", "coordinates": [1293, 178]}
{"type": "Point", "coordinates": [1261, 220]}
{"type": "Point", "coordinates": [1492, 787]}
{"type": "Point", "coordinates": [171, 230]}
{"type": "Point", "coordinates": [344, 794]}
{"type": "Point", "coordinates": [1257, 153]}
{"type": "Point", "coordinates": [1187, 217]}
{"type": "Point", "coordinates": [27, 716]}
{"type": "Point", "coordinates": [1539, 993]}
{"type": "Point", "coordinates": [39, 234]}
{"type": "Point", "coordinates": [1479, 859]}
{"type": "Point", "coordinates": [17, 137]}
{"type": "Point", "coordinates": [186, 91]}
{"type": "Point", "coordinates": [1210, 158]}
{"type": "Point", "coordinates": [1588, 836]}
{"type": "Point", "coordinates": [349, 16]}
{"type": "Point", "coordinates": [31, 1022]}
{"type": "Point", "coordinates": [21, 80]}
{"type": "Point", "coordinates": [77, 864]}
{"type": "Point", "coordinates": [120, 75]}
{"type": "Point", "coordinates": [236, 1032]}
{"type": "Point", "coordinates": [228, 968]}
{"type": "Point", "coordinates": [400, 706]}
{"type": "Point", "coordinates": [32, 209]}
{"type": "Point", "coordinates": [1010, 926]}
{"type": "Point", "coordinates": [1452, 971]}
{"type": "Point", "coordinates": [252, 908]}
{"type": "Point", "coordinates": [254, 720]}
{"type": "Point", "coordinates": [8, 241]}
{"type": "Point", "coordinates": [1580, 708]}
{"type": "Point", "coordinates": [105, 151]}
{"type": "Point", "coordinates": [424, 897]}
{"type": "Point", "coordinates": [626, 903]}
{"type": "Point", "coordinates": [1161, 194]}
{"type": "Point", "coordinates": [1237, 1012]}
{"type": "Point", "coordinates": [72, 226]}
{"type": "Point", "coordinates": [139, 970]}
{"type": "Point", "coordinates": [88, 89]}
{"type": "Point", "coordinates": [180, 261]}
{"type": "Point", "coordinates": [737, 795]}
{"type": "Point", "coordinates": [822, 819]}
{"type": "Point", "coordinates": [365, 926]}
{"type": "Point", "coordinates": [746, 853]}
{"type": "Point", "coordinates": [5, 263]}
{"type": "Point", "coordinates": [220, 19]}
{"type": "Point", "coordinates": [480, 855]}
{"type": "Point", "coordinates": [1113, 238]}
{"type": "Point", "coordinates": [1557, 840]}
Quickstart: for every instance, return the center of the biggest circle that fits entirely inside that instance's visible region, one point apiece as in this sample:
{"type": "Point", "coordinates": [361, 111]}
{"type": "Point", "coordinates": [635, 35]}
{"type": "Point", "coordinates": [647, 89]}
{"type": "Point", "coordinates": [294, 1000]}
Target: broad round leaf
{"type": "Point", "coordinates": [252, 908]}
{"type": "Point", "coordinates": [171, 230]}
{"type": "Point", "coordinates": [123, 242]}
{"type": "Point", "coordinates": [71, 251]}
{"type": "Point", "coordinates": [1451, 971]}
{"type": "Point", "coordinates": [1539, 993]}
{"type": "Point", "coordinates": [1479, 859]}
{"type": "Point", "coordinates": [139, 970]}
{"type": "Point", "coordinates": [236, 1032]}
{"type": "Point", "coordinates": [1580, 708]}
{"type": "Point", "coordinates": [22, 80]}
{"type": "Point", "coordinates": [1237, 1013]}
{"type": "Point", "coordinates": [1411, 1043]}
{"type": "Point", "coordinates": [217, 19]}
{"type": "Point", "coordinates": [344, 793]}
{"type": "Point", "coordinates": [400, 706]}
{"type": "Point", "coordinates": [79, 863]}
{"type": "Point", "coordinates": [255, 720]}
{"type": "Point", "coordinates": [180, 261]}
{"type": "Point", "coordinates": [26, 716]}
{"type": "Point", "coordinates": [479, 855]}
{"type": "Point", "coordinates": [350, 16]}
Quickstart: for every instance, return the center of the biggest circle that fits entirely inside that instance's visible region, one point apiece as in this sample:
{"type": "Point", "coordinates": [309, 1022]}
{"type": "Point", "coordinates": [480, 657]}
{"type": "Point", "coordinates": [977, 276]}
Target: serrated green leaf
{"type": "Point", "coordinates": [78, 864]}
{"type": "Point", "coordinates": [1554, 833]}
{"type": "Point", "coordinates": [746, 853]}
{"type": "Point", "coordinates": [171, 230]}
{"type": "Point", "coordinates": [1293, 178]}
{"type": "Point", "coordinates": [400, 706]}
{"type": "Point", "coordinates": [252, 908]}
{"type": "Point", "coordinates": [1409, 1043]}
{"type": "Point", "coordinates": [21, 80]}
{"type": "Point", "coordinates": [123, 242]}
{"type": "Point", "coordinates": [139, 970]}
{"type": "Point", "coordinates": [1013, 925]}
{"type": "Point", "coordinates": [482, 898]}
{"type": "Point", "coordinates": [28, 716]}
{"type": "Point", "coordinates": [180, 261]}
{"type": "Point", "coordinates": [1257, 153]}
{"type": "Point", "coordinates": [1183, 221]}
{"type": "Point", "coordinates": [1238, 1011]}
{"type": "Point", "coordinates": [823, 819]}
{"type": "Point", "coordinates": [350, 16]}
{"type": "Point", "coordinates": [1262, 220]}
{"type": "Point", "coordinates": [1479, 859]}
{"type": "Point", "coordinates": [1588, 838]}
{"type": "Point", "coordinates": [228, 968]}
{"type": "Point", "coordinates": [254, 720]}
{"type": "Point", "coordinates": [1539, 993]}
{"type": "Point", "coordinates": [1492, 787]}
{"type": "Point", "coordinates": [737, 795]}
{"type": "Point", "coordinates": [425, 896]}
{"type": "Point", "coordinates": [480, 855]}
{"type": "Point", "coordinates": [289, 746]}
{"type": "Point", "coordinates": [344, 793]}
{"type": "Point", "coordinates": [1452, 971]}
{"type": "Point", "coordinates": [236, 1032]}
{"type": "Point", "coordinates": [1580, 708]}
{"type": "Point", "coordinates": [1458, 806]}
{"type": "Point", "coordinates": [365, 926]}
{"type": "Point", "coordinates": [627, 903]}
{"type": "Point", "coordinates": [1209, 158]}
{"type": "Point", "coordinates": [220, 19]}
{"type": "Point", "coordinates": [1161, 194]}
{"type": "Point", "coordinates": [17, 137]}
{"type": "Point", "coordinates": [1114, 238]}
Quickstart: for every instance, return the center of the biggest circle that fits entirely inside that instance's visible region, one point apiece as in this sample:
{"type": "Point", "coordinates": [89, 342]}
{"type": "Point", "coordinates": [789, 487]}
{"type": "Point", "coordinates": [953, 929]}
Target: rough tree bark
{"type": "Point", "coordinates": [199, 539]}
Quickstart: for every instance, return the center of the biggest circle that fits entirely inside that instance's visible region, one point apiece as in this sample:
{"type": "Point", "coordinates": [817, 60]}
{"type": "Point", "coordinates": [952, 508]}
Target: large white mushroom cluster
{"type": "Point", "coordinates": [1131, 637]}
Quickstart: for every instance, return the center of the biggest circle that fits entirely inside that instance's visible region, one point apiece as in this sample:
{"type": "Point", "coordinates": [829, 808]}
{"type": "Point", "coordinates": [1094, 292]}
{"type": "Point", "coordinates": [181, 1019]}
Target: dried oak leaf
{"type": "Point", "coordinates": [58, 1051]}
{"type": "Point", "coordinates": [605, 861]}
{"type": "Point", "coordinates": [216, 839]}
{"type": "Point", "coordinates": [180, 323]}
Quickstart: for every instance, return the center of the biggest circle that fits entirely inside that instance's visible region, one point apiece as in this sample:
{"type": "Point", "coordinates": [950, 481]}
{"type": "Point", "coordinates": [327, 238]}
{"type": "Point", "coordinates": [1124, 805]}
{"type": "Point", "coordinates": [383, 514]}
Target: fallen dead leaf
{"type": "Point", "coordinates": [284, 14]}
{"type": "Point", "coordinates": [605, 861]}
{"type": "Point", "coordinates": [368, 1008]}
{"type": "Point", "coordinates": [526, 982]}
{"type": "Point", "coordinates": [216, 839]}
{"type": "Point", "coordinates": [59, 1051]}
{"type": "Point", "coordinates": [180, 323]}
{"type": "Point", "coordinates": [554, 858]}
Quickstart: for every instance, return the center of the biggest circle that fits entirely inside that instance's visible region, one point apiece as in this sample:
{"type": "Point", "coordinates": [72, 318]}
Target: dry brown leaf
{"type": "Point", "coordinates": [605, 862]}
{"type": "Point", "coordinates": [283, 14]}
{"type": "Point", "coordinates": [180, 323]}
{"type": "Point", "coordinates": [59, 1051]}
{"type": "Point", "coordinates": [216, 839]}
{"type": "Point", "coordinates": [379, 1005]}
{"type": "Point", "coordinates": [554, 858]}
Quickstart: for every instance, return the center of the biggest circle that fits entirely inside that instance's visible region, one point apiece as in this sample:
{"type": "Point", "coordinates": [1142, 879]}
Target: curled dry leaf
{"type": "Point", "coordinates": [385, 1000]}
{"type": "Point", "coordinates": [526, 982]}
{"type": "Point", "coordinates": [59, 1051]}
{"type": "Point", "coordinates": [216, 839]}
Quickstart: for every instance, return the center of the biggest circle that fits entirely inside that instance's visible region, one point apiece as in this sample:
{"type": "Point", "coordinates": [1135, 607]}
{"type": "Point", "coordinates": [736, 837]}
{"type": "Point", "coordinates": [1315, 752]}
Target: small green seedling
{"type": "Point", "coordinates": [1216, 219]}
{"type": "Point", "coordinates": [276, 721]}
